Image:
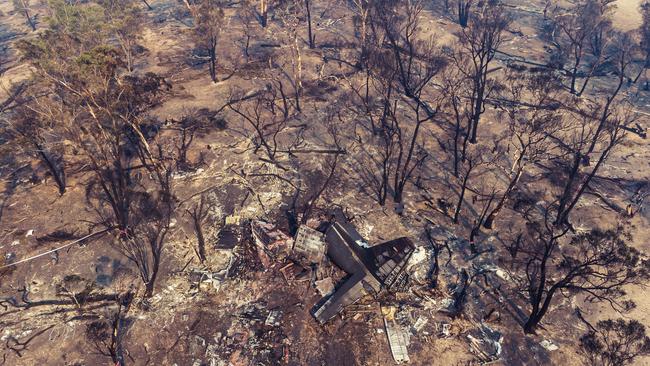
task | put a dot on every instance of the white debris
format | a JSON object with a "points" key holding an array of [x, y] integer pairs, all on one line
{"points": [[273, 319], [502, 274], [419, 255], [398, 339], [325, 286], [362, 244], [446, 329], [486, 342], [549, 345], [233, 220], [310, 244], [446, 303], [419, 265], [420, 323]]}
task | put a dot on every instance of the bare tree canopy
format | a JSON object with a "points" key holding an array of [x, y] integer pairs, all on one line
{"points": [[615, 343], [597, 263]]}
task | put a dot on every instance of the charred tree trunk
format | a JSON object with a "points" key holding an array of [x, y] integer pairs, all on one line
{"points": [[310, 36], [56, 171], [437, 248], [462, 191], [297, 72], [513, 249], [479, 101], [213, 62], [489, 221], [198, 214], [263, 13], [186, 139], [459, 296], [597, 41], [147, 4], [477, 225], [150, 285], [29, 18], [312, 202], [248, 41], [200, 240], [539, 310], [383, 188], [463, 154], [116, 348], [566, 194], [463, 12], [404, 171], [574, 75], [457, 131], [564, 216]]}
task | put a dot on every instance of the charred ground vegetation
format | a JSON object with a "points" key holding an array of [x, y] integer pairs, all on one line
{"points": [[198, 181]]}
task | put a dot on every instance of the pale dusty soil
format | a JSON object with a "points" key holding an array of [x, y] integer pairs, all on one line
{"points": [[177, 316], [627, 15]]}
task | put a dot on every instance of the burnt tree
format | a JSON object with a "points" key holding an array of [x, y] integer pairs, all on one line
{"points": [[106, 108], [644, 41], [464, 7], [363, 29], [33, 128], [479, 42], [473, 160], [123, 19], [598, 264], [614, 343], [414, 62], [22, 6], [208, 22], [581, 136], [311, 37], [107, 334], [531, 110], [577, 28], [437, 246], [198, 214]]}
